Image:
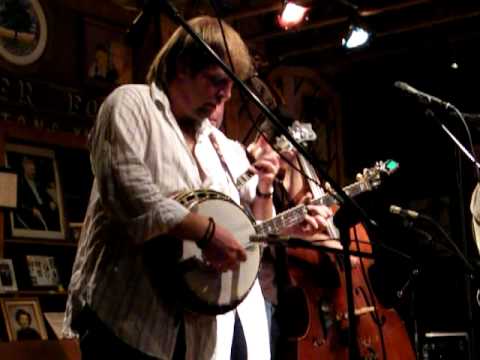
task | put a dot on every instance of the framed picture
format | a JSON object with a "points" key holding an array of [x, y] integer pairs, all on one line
{"points": [[39, 212], [23, 319], [8, 188], [43, 271], [23, 31], [108, 58], [8, 281]]}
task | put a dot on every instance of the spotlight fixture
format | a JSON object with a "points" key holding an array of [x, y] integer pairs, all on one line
{"points": [[292, 14], [357, 36]]}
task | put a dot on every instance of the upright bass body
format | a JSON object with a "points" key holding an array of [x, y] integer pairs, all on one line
{"points": [[381, 333]]}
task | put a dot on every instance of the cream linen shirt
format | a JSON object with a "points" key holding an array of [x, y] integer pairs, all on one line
{"points": [[139, 158]]}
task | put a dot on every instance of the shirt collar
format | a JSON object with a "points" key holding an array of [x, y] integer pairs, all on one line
{"points": [[159, 97]]}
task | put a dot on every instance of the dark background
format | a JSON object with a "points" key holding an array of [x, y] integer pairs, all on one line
{"points": [[434, 178]]}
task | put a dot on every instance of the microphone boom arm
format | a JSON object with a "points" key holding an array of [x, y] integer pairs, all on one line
{"points": [[343, 198]]}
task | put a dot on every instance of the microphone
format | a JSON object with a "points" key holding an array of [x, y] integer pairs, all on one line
{"points": [[397, 210], [424, 98]]}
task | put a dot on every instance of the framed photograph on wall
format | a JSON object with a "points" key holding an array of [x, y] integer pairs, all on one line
{"points": [[8, 281], [39, 212], [23, 31], [8, 188], [43, 271], [108, 59], [23, 319]]}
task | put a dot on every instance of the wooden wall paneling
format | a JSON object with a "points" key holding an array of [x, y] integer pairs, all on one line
{"points": [[35, 349], [310, 98], [2, 212], [14, 132]]}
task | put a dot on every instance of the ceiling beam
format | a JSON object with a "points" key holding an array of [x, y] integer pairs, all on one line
{"points": [[403, 29], [338, 20]]}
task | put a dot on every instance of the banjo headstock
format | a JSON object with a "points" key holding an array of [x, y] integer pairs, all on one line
{"points": [[301, 132], [372, 176]]}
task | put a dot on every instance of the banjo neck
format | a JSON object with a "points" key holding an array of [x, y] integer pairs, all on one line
{"points": [[296, 215]]}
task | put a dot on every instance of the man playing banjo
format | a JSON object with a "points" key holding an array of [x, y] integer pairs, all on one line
{"points": [[149, 143]]}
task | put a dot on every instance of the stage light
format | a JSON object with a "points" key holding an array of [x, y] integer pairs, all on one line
{"points": [[358, 33], [292, 14], [357, 36]]}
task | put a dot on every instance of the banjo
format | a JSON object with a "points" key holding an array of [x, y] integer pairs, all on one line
{"points": [[202, 289]]}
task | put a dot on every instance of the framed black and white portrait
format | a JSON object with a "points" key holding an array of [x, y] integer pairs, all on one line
{"points": [[23, 31], [39, 212], [23, 319]]}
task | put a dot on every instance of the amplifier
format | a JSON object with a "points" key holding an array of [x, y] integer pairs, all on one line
{"points": [[445, 346]]}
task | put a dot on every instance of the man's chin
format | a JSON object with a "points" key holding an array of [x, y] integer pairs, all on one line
{"points": [[204, 113]]}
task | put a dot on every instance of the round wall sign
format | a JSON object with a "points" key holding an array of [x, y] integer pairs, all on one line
{"points": [[23, 31]]}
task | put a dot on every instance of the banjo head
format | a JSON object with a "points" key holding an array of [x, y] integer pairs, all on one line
{"points": [[205, 289]]}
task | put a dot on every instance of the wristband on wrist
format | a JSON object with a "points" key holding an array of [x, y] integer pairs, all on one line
{"points": [[265, 195], [207, 237]]}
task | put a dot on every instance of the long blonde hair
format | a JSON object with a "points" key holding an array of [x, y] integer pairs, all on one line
{"points": [[181, 48]]}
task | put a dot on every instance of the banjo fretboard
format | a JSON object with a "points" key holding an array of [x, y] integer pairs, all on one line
{"points": [[296, 215]]}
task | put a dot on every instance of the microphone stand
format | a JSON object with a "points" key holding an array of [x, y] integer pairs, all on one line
{"points": [[411, 286], [153, 6]]}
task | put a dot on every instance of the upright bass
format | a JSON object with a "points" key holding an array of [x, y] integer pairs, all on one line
{"points": [[380, 333]]}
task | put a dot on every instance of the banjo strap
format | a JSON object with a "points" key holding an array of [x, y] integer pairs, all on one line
{"points": [[216, 146]]}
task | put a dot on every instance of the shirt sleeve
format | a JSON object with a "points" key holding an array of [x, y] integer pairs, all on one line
{"points": [[125, 183]]}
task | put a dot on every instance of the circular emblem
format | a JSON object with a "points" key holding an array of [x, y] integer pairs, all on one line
{"points": [[23, 31]]}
